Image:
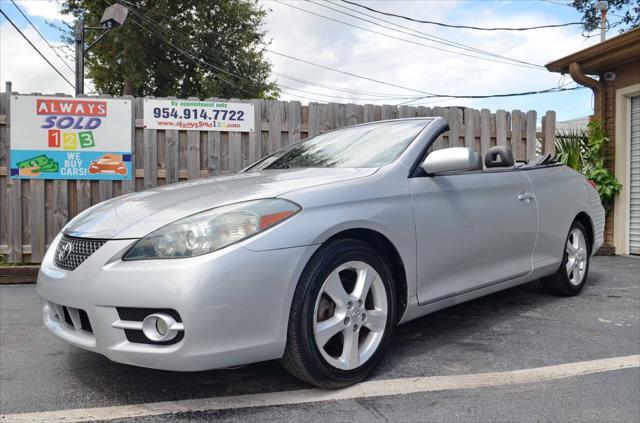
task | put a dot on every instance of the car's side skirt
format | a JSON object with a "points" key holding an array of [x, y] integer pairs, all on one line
{"points": [[415, 310]]}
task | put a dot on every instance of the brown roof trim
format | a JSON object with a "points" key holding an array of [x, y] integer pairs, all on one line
{"points": [[602, 56]]}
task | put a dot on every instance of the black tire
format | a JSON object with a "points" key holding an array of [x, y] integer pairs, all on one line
{"points": [[302, 357], [559, 283]]}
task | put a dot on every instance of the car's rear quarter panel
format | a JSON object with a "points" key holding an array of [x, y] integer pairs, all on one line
{"points": [[560, 196]]}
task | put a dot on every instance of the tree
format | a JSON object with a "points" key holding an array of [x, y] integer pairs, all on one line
{"points": [[181, 48], [627, 13]]}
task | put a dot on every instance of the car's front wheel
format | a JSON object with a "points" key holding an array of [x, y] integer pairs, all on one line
{"points": [[342, 315]]}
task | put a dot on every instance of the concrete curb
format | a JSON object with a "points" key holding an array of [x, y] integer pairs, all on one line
{"points": [[10, 275]]}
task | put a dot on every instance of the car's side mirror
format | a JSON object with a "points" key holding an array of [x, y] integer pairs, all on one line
{"points": [[451, 160]]}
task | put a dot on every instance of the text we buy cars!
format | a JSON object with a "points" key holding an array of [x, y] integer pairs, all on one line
{"points": [[67, 138]]}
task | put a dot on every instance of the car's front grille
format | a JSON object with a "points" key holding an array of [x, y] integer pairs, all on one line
{"points": [[135, 314], [71, 251], [137, 337], [65, 314]]}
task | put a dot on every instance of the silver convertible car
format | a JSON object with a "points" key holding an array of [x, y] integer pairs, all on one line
{"points": [[314, 254]]}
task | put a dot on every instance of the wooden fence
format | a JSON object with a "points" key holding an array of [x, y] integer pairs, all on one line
{"points": [[34, 211]]}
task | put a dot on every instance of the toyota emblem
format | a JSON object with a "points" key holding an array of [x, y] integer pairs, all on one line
{"points": [[64, 252]]}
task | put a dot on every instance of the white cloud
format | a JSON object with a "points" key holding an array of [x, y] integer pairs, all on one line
{"points": [[354, 50], [48, 9], [21, 64]]}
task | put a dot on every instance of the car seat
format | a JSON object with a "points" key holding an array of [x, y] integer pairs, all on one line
{"points": [[498, 156]]}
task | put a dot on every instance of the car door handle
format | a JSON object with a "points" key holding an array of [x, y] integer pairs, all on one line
{"points": [[526, 197]]}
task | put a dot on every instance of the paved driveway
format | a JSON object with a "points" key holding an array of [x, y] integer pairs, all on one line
{"points": [[522, 328]]}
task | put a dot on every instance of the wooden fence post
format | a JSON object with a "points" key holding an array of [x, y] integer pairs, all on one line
{"points": [[549, 131], [255, 137], [14, 195], [485, 131], [150, 157], [295, 119], [388, 112], [314, 119], [531, 135], [501, 128], [455, 122], [469, 129], [519, 152]]}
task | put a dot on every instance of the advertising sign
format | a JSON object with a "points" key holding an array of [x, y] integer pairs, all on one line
{"points": [[198, 115], [68, 138]]}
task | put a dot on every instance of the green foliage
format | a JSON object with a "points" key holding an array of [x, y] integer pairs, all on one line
{"points": [[133, 59], [584, 151], [570, 146], [627, 13], [594, 167]]}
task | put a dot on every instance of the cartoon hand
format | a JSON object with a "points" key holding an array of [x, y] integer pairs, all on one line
{"points": [[30, 171]]}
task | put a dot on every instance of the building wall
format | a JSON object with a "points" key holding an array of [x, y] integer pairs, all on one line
{"points": [[625, 75]]}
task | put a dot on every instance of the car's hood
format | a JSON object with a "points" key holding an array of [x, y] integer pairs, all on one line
{"points": [[135, 215]]}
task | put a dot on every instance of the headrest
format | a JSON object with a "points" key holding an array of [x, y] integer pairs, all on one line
{"points": [[498, 156]]}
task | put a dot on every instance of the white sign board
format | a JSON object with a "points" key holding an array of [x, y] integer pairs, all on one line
{"points": [[198, 115], [70, 138]]}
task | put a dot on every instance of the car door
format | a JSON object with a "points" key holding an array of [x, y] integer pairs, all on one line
{"points": [[473, 230]]}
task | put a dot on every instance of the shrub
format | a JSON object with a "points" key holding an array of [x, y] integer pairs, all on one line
{"points": [[585, 152]]}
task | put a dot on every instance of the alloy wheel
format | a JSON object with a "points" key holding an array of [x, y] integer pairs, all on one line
{"points": [[350, 315], [577, 256]]}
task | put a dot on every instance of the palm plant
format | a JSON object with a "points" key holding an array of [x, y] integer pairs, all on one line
{"points": [[584, 151], [571, 147]]}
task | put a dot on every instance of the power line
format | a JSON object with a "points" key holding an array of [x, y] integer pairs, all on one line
{"points": [[477, 28], [428, 95], [342, 89], [191, 57], [397, 38], [179, 35], [346, 73], [42, 36], [434, 37], [429, 37], [154, 25], [571, 6], [211, 67], [547, 91], [282, 75], [36, 49], [316, 64]]}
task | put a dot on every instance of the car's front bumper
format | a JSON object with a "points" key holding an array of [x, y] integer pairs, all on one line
{"points": [[234, 303]]}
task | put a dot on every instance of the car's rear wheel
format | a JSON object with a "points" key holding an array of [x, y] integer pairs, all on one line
{"points": [[572, 274], [342, 315]]}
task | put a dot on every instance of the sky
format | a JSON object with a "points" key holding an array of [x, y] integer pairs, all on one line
{"points": [[320, 40]]}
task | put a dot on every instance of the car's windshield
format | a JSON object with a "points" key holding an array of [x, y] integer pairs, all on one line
{"points": [[371, 145]]}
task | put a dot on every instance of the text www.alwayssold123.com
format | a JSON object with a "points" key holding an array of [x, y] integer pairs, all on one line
{"points": [[201, 124]]}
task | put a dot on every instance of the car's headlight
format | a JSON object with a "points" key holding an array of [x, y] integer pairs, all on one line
{"points": [[212, 230]]}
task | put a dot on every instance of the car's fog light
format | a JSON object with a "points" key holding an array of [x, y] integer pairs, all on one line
{"points": [[159, 327]]}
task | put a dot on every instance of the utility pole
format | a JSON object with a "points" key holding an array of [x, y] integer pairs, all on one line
{"points": [[602, 7], [113, 17], [79, 43]]}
